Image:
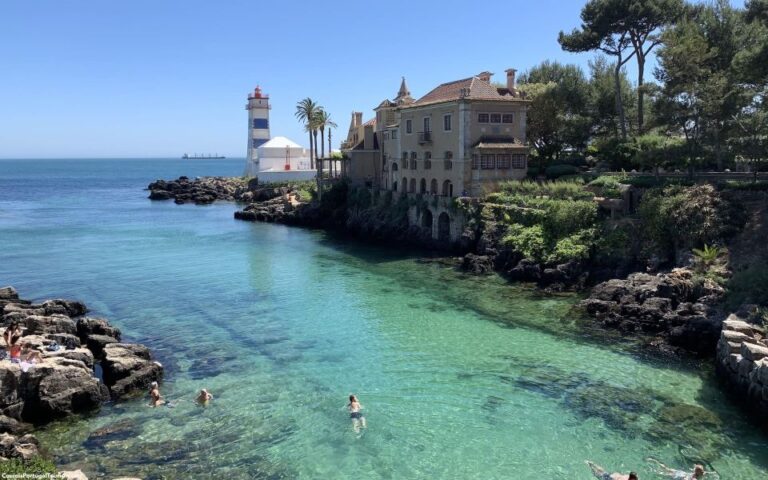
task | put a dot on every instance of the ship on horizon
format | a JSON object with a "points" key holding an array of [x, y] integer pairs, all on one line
{"points": [[202, 157]]}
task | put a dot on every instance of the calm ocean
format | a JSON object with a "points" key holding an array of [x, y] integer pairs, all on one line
{"points": [[461, 377]]}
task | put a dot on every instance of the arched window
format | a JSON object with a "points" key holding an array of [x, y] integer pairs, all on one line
{"points": [[423, 186], [413, 186], [447, 188], [427, 160], [433, 187], [426, 219], [394, 167], [405, 185], [444, 227]]}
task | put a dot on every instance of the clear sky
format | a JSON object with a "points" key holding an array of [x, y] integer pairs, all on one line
{"points": [[159, 78]]}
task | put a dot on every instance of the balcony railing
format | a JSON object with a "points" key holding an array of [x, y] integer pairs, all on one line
{"points": [[425, 137]]}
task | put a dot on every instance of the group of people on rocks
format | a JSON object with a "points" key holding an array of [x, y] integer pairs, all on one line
{"points": [[697, 473], [20, 352]]}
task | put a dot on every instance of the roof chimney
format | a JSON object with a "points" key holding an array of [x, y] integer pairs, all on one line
{"points": [[511, 80], [358, 118], [485, 76]]}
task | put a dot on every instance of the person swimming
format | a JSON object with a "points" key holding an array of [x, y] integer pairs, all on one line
{"points": [[204, 397], [355, 413], [600, 473], [697, 473], [154, 393]]}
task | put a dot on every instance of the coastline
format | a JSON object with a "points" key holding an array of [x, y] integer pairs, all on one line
{"points": [[62, 381]]}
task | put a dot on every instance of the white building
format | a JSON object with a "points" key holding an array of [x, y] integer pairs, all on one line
{"points": [[275, 160]]}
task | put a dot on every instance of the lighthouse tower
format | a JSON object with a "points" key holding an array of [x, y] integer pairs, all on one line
{"points": [[258, 128]]}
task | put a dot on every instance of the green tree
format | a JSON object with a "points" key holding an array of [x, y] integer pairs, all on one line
{"points": [[623, 29], [602, 97], [306, 112], [557, 117]]}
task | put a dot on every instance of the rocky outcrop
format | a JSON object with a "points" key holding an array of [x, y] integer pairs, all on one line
{"points": [[200, 190], [63, 382], [673, 309], [742, 363], [23, 447]]}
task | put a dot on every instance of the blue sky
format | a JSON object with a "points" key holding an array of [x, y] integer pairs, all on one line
{"points": [[160, 78]]}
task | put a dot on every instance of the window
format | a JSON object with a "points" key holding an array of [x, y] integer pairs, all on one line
{"points": [[386, 135], [475, 162], [423, 186], [447, 122], [495, 118], [394, 167], [260, 123], [508, 118], [412, 188], [503, 161], [518, 161], [413, 164], [427, 124], [482, 118], [448, 164], [448, 155], [405, 158], [413, 156], [394, 186], [427, 160], [394, 134], [408, 126], [487, 161], [427, 155], [433, 187]]}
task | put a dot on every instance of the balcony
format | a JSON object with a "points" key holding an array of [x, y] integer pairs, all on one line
{"points": [[425, 137]]}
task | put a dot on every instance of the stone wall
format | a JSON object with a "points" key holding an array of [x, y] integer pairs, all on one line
{"points": [[742, 362]]}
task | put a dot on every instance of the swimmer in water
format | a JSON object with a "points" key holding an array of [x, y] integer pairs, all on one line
{"points": [[600, 473], [204, 397], [696, 474], [154, 393], [355, 413]]}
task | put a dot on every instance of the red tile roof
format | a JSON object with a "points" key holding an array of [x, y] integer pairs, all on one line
{"points": [[471, 88]]}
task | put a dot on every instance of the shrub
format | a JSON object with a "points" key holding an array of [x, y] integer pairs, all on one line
{"points": [[573, 247], [685, 217], [529, 241], [748, 286], [34, 466], [759, 186], [556, 171]]}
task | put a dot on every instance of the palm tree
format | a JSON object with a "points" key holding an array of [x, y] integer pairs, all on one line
{"points": [[324, 121], [306, 111]]}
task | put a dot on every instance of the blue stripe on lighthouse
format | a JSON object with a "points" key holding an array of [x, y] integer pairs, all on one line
{"points": [[260, 123], [257, 142]]}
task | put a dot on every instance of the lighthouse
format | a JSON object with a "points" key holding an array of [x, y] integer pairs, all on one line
{"points": [[258, 128]]}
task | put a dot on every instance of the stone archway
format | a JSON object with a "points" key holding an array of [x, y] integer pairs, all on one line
{"points": [[412, 188], [426, 220], [423, 186], [444, 227], [394, 186], [433, 187]]}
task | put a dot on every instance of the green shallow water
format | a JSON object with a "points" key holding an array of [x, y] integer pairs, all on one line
{"points": [[461, 377]]}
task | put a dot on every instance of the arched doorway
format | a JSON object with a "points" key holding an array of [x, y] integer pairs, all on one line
{"points": [[426, 220], [394, 186], [444, 227], [433, 187], [412, 188], [405, 185], [447, 188], [423, 186]]}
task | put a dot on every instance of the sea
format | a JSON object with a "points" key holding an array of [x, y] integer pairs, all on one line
{"points": [[460, 376]]}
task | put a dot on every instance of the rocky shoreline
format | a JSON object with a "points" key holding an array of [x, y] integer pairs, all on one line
{"points": [[675, 313], [63, 382]]}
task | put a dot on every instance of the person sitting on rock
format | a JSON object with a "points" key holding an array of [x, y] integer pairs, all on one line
{"points": [[600, 473], [154, 393], [697, 473], [204, 397], [12, 334], [30, 355]]}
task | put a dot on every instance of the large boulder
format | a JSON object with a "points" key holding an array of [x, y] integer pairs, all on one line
{"points": [[477, 264], [128, 368], [23, 448], [70, 308], [96, 326], [56, 323], [53, 388]]}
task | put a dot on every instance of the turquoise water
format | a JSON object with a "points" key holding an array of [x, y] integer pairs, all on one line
{"points": [[460, 377]]}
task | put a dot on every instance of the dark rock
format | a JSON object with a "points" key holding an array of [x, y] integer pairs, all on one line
{"points": [[128, 368], [96, 343], [96, 326], [64, 307], [13, 426], [160, 195], [526, 270], [24, 448], [477, 264], [38, 324], [9, 293]]}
